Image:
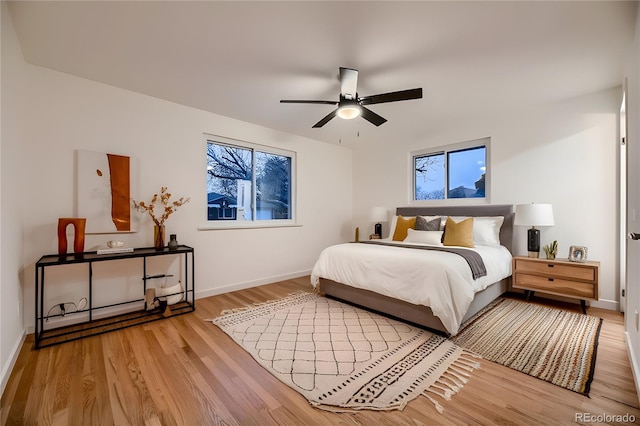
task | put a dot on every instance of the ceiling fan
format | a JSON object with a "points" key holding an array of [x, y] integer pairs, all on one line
{"points": [[351, 105]]}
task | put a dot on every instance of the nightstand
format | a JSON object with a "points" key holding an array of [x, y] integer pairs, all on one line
{"points": [[575, 280]]}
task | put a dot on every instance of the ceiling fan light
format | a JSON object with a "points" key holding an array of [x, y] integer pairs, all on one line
{"points": [[349, 112]]}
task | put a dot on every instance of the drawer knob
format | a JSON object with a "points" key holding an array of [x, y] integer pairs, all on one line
{"points": [[550, 279], [550, 265]]}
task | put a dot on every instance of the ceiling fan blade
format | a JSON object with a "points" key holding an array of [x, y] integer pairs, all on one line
{"points": [[348, 83], [290, 101], [326, 119], [402, 95], [372, 117]]}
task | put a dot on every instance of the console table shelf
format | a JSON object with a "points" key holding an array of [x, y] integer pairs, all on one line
{"points": [[96, 323]]}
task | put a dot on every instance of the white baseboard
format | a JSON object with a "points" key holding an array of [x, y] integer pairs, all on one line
{"points": [[635, 365], [250, 284], [8, 367], [611, 305], [72, 318], [6, 370]]}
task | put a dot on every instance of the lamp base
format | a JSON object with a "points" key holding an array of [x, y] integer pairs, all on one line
{"points": [[378, 230], [533, 242]]}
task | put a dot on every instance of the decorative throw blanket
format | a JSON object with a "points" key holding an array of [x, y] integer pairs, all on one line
{"points": [[472, 258], [343, 358]]}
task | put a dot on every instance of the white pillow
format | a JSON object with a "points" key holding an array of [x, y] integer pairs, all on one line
{"points": [[424, 237], [486, 229]]}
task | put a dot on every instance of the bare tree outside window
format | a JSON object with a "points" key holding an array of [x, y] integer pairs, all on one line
{"points": [[226, 165], [274, 189], [429, 177], [459, 171], [244, 183]]}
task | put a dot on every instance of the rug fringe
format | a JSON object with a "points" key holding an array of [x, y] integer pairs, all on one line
{"points": [[435, 403], [242, 308], [467, 365], [444, 395], [447, 392], [452, 380], [258, 304], [456, 369], [451, 383], [468, 354]]}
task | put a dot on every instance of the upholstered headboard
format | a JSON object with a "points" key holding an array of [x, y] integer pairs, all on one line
{"points": [[506, 210]]}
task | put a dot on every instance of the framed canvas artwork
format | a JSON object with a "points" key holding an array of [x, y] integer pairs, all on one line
{"points": [[105, 185]]}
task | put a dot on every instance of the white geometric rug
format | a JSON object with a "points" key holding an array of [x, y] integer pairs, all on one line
{"points": [[342, 358]]}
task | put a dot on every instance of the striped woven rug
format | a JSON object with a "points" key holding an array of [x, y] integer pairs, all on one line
{"points": [[551, 344]]}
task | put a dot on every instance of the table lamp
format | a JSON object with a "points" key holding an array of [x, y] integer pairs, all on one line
{"points": [[378, 214], [533, 215]]}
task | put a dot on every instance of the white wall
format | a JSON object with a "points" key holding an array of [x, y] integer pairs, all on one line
{"points": [[168, 139], [562, 153], [11, 300], [53, 114]]}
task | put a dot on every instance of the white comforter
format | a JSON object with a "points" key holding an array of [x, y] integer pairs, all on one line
{"points": [[439, 280]]}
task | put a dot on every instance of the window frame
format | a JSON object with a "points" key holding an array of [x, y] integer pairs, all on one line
{"points": [[445, 150], [253, 223]]}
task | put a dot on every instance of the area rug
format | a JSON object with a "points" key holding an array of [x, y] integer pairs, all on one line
{"points": [[551, 344], [342, 358]]}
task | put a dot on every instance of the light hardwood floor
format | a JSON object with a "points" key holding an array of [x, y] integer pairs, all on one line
{"points": [[185, 371]]}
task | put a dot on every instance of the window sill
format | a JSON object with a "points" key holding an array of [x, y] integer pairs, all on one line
{"points": [[235, 224], [451, 202]]}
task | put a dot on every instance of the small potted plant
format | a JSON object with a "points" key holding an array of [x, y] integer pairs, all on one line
{"points": [[551, 250]]}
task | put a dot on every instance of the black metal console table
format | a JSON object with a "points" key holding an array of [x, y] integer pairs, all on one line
{"points": [[93, 326]]}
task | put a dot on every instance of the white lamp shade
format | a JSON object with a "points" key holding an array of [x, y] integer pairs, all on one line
{"points": [[534, 215], [378, 214]]}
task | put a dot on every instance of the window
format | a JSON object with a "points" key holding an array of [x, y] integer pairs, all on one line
{"points": [[453, 172], [247, 182]]}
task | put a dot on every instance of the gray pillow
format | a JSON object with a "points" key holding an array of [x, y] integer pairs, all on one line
{"points": [[424, 224]]}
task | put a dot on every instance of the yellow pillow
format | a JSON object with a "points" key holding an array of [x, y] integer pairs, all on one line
{"points": [[458, 233], [402, 225]]}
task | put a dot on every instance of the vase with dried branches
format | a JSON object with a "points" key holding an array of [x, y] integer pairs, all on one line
{"points": [[165, 208]]}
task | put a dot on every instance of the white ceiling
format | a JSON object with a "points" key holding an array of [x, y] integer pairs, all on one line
{"points": [[238, 59]]}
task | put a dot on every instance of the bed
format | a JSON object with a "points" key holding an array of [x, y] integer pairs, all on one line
{"points": [[409, 283]]}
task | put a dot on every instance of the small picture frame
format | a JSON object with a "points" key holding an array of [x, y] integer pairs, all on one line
{"points": [[578, 254]]}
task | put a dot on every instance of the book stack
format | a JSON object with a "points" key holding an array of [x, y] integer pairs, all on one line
{"points": [[115, 250]]}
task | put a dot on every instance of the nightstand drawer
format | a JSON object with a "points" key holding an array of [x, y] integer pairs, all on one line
{"points": [[575, 272], [557, 286]]}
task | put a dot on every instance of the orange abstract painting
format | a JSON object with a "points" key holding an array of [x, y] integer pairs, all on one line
{"points": [[104, 189]]}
